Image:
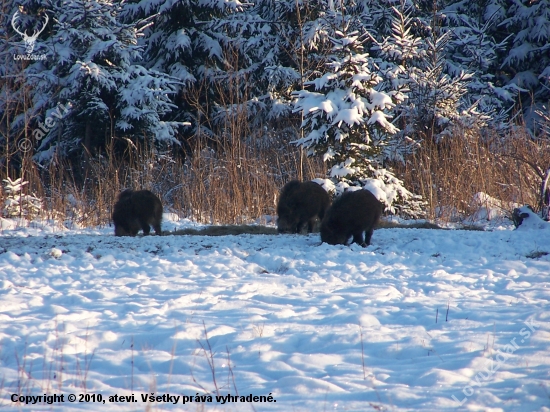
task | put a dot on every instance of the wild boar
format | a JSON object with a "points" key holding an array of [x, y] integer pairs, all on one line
{"points": [[135, 210], [299, 204], [351, 214]]}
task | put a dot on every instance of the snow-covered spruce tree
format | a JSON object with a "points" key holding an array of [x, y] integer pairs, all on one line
{"points": [[346, 120], [239, 80], [302, 44], [528, 59], [436, 106], [479, 46], [91, 68], [111, 93], [398, 58], [20, 103], [414, 60], [170, 46], [298, 48], [209, 47]]}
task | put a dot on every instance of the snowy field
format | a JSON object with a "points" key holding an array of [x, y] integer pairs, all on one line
{"points": [[426, 320]]}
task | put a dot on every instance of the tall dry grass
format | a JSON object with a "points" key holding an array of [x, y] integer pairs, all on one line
{"points": [[449, 174], [239, 182], [232, 184]]}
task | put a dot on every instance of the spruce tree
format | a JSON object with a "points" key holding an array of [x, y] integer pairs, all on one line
{"points": [[92, 70], [346, 118]]}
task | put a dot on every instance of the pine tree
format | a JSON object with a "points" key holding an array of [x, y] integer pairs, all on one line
{"points": [[18, 204], [414, 60], [344, 116], [21, 104], [110, 93], [435, 96], [298, 49]]}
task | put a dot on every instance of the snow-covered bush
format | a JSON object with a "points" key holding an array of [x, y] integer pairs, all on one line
{"points": [[488, 208]]}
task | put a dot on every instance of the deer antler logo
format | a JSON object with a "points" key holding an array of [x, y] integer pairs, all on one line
{"points": [[29, 40]]}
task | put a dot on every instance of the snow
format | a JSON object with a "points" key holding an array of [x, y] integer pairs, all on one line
{"points": [[488, 208], [530, 220], [420, 320], [379, 117], [350, 116]]}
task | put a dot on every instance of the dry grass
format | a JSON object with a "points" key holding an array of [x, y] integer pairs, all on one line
{"points": [[232, 184], [236, 181], [448, 174], [239, 182]]}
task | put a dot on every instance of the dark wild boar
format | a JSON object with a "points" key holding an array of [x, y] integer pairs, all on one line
{"points": [[135, 210], [351, 214], [299, 203]]}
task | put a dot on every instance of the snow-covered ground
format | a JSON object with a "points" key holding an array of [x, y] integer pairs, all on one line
{"points": [[422, 319]]}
